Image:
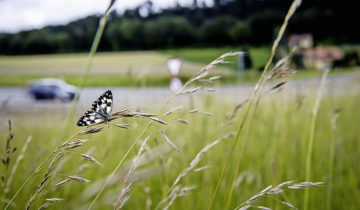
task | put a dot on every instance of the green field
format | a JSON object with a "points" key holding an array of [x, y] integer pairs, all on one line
{"points": [[258, 55], [276, 151], [109, 69], [138, 63], [138, 68]]}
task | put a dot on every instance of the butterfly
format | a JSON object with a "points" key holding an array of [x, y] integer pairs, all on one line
{"points": [[100, 111]]}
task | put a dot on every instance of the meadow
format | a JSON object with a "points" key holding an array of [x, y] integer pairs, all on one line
{"points": [[275, 150]]}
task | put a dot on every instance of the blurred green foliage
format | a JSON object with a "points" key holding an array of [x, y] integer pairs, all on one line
{"points": [[238, 22]]}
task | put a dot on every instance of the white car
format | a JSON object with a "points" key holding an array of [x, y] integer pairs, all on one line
{"points": [[50, 88]]}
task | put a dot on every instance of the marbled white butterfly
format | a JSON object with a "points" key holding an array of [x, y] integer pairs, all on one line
{"points": [[100, 111]]}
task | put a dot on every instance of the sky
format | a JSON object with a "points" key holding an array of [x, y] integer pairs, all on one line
{"points": [[17, 15]]}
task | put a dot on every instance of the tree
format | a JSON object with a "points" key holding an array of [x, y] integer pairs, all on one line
{"points": [[215, 31], [240, 32], [126, 34], [39, 41], [263, 24], [62, 42]]}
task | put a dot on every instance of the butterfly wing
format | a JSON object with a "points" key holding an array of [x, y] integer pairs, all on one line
{"points": [[100, 110], [90, 118], [104, 103]]}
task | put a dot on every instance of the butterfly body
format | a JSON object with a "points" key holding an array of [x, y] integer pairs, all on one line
{"points": [[100, 111]]}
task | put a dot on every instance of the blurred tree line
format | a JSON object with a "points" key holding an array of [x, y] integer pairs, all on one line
{"points": [[226, 22]]}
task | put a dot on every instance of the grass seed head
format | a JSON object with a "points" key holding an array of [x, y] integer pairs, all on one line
{"points": [[45, 206], [91, 131], [125, 126], [182, 121], [172, 110], [78, 179], [92, 159], [158, 120], [63, 182], [54, 199], [169, 141]]}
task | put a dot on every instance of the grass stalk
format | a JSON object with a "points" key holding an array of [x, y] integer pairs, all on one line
{"points": [[290, 13], [38, 168], [85, 74], [272, 72], [332, 157], [174, 187], [242, 149], [5, 163], [16, 164], [331, 171], [312, 133], [118, 166], [130, 178]]}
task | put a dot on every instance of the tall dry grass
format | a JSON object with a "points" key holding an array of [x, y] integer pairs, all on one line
{"points": [[255, 97]]}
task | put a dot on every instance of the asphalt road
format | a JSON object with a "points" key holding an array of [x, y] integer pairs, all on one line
{"points": [[16, 100]]}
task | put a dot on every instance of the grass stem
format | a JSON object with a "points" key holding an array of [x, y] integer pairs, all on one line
{"points": [[118, 166], [311, 136], [84, 74], [332, 157], [290, 13]]}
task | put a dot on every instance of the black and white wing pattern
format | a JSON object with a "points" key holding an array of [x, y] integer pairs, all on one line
{"points": [[90, 118], [100, 111], [104, 103]]}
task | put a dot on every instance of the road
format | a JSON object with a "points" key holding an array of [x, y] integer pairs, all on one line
{"points": [[16, 100]]}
